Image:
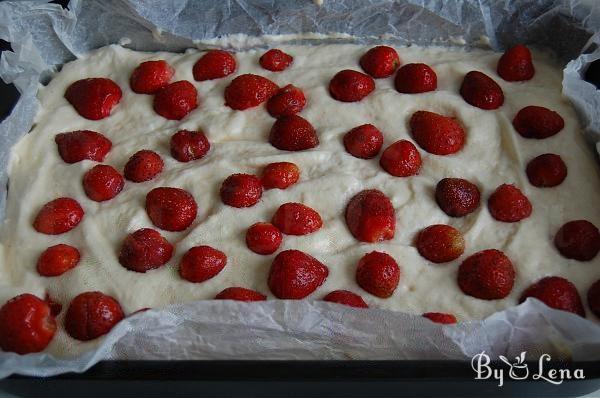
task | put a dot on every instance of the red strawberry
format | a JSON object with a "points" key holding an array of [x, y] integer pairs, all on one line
{"points": [[240, 294], [556, 292], [176, 100], [26, 325], [478, 89], [380, 61], [275, 60], [378, 273], [56, 260], [295, 275], [364, 141], [91, 315], [370, 216], [189, 145], [415, 78], [487, 275], [579, 240], [171, 209], [143, 166], [440, 317], [516, 64], [55, 307], [241, 190], [293, 133], [346, 297], [547, 170], [538, 122], [401, 159], [102, 183], [437, 134], [280, 175], [145, 249], [289, 100], [58, 216], [297, 219], [215, 64], [593, 297], [263, 238], [76, 146], [248, 90], [457, 197], [94, 98], [440, 243], [151, 76], [351, 86], [509, 204], [202, 263]]}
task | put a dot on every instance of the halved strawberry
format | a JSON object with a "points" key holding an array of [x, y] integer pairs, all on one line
{"points": [[171, 209], [94, 98], [364, 141], [378, 273], [248, 90], [58, 216], [480, 90], [516, 64], [380, 61], [102, 183], [509, 204], [76, 146], [297, 219], [370, 216], [151, 76], [556, 292], [215, 64], [91, 315], [346, 297], [275, 60], [437, 134], [294, 275], [176, 100], [401, 159], [58, 259], [415, 78], [351, 86], [538, 122], [240, 294], [202, 263], [289, 100], [293, 133], [487, 275]]}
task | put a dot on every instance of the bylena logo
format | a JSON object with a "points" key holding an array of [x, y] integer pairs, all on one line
{"points": [[519, 370]]}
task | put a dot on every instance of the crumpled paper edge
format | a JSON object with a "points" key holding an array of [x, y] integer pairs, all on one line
{"points": [[306, 330]]}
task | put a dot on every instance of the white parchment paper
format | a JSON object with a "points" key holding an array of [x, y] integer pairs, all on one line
{"points": [[44, 36]]}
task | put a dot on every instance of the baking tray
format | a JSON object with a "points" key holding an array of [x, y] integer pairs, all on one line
{"points": [[288, 378]]}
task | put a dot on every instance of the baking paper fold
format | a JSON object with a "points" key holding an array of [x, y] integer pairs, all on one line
{"points": [[44, 36]]}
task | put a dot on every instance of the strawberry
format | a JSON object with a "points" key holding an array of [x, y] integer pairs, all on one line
{"points": [[280, 175], [556, 292], [176, 100], [241, 190], [171, 209], [94, 98], [509, 204], [370, 216], [26, 325], [91, 315], [538, 122], [437, 134], [76, 146], [275, 60], [143, 166], [401, 159], [415, 78], [240, 294], [102, 183], [487, 275], [294, 275], [214, 64], [56, 260], [189, 145], [378, 273], [440, 317], [380, 61], [248, 90], [55, 307], [515, 64], [151, 76], [593, 298], [263, 238], [297, 219], [289, 100], [364, 141], [293, 133], [346, 297], [547, 170], [58, 216], [478, 89], [145, 249], [202, 263], [351, 86], [440, 243], [579, 240], [457, 197]]}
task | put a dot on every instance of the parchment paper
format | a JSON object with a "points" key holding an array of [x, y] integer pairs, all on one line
{"points": [[43, 36]]}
